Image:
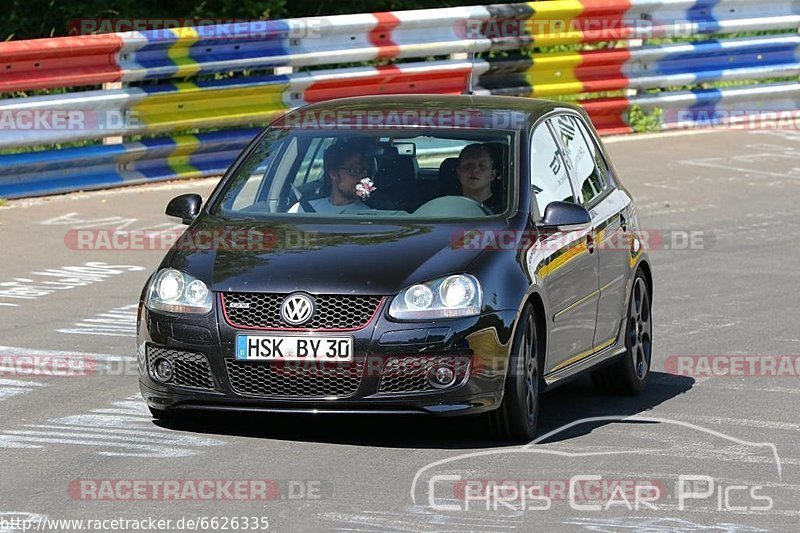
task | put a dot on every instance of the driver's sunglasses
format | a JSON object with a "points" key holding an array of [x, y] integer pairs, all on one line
{"points": [[356, 172]]}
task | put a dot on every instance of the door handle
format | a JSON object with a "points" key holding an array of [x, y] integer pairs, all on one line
{"points": [[623, 223], [590, 242]]}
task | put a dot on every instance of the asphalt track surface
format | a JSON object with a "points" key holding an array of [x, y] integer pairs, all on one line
{"points": [[731, 292]]}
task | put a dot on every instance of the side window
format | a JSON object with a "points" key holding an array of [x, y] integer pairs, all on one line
{"points": [[590, 170], [549, 174], [311, 166]]}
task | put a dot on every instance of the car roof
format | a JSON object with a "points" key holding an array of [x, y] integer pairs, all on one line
{"points": [[526, 109]]}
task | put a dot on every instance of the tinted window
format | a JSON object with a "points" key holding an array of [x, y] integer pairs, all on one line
{"points": [[549, 174], [371, 173], [585, 159]]}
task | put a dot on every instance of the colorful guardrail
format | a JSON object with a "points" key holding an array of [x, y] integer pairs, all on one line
{"points": [[220, 76]]}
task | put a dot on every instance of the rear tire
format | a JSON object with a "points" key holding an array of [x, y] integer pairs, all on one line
{"points": [[517, 416], [630, 373]]}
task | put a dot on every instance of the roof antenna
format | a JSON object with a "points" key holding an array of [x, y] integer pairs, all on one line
{"points": [[470, 90]]}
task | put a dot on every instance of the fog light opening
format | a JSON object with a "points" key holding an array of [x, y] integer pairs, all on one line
{"points": [[163, 370], [442, 376]]}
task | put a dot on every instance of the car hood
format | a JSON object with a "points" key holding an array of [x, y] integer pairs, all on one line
{"points": [[352, 258]]}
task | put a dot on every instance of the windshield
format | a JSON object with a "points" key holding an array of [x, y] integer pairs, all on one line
{"points": [[418, 173]]}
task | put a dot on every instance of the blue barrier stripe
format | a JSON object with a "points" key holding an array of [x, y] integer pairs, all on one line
{"points": [[31, 163], [705, 105], [159, 169], [60, 156], [713, 56], [30, 187], [155, 171], [233, 136], [258, 39], [257, 30], [263, 81], [159, 142], [702, 13]]}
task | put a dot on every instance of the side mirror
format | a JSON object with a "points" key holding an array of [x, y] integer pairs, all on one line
{"points": [[185, 207], [566, 216]]}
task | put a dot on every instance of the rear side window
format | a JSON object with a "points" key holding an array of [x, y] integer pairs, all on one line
{"points": [[549, 173], [589, 167]]}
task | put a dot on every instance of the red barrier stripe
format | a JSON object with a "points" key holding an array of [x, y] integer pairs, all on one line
{"points": [[605, 8], [608, 114], [59, 62], [381, 35], [605, 20], [59, 47], [391, 79], [601, 70]]}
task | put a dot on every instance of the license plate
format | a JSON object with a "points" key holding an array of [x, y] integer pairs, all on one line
{"points": [[289, 348]]}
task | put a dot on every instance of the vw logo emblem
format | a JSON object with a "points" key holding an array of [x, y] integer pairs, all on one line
{"points": [[297, 309]]}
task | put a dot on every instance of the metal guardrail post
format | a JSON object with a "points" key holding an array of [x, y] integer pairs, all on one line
{"points": [[115, 139], [633, 44]]}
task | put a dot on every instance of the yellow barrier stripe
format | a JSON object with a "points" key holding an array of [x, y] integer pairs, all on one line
{"points": [[553, 22], [194, 106], [179, 52], [553, 74], [178, 160], [555, 9]]}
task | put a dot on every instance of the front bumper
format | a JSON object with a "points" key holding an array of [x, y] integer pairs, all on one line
{"points": [[483, 341]]}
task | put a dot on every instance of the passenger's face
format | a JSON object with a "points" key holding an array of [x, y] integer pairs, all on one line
{"points": [[346, 177], [475, 172]]}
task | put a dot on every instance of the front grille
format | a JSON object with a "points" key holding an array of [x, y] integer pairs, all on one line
{"points": [[410, 374], [294, 379], [332, 311], [189, 369]]}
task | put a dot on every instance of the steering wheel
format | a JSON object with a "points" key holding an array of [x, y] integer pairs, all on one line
{"points": [[483, 207], [449, 205]]}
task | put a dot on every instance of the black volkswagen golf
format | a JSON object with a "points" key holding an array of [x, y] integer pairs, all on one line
{"points": [[443, 255]]}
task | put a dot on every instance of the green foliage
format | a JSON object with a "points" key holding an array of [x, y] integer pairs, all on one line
{"points": [[3, 202], [643, 122], [30, 19]]}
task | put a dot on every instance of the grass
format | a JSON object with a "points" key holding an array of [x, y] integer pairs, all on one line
{"points": [[3, 202], [643, 122]]}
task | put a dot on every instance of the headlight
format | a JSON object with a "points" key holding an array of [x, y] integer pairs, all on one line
{"points": [[176, 292], [453, 296]]}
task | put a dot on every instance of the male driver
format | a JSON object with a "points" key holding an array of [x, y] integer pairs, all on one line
{"points": [[476, 172], [345, 165]]}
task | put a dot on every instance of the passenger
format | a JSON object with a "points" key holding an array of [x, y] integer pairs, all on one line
{"points": [[344, 165], [476, 171]]}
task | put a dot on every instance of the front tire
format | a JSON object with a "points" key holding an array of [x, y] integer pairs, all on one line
{"points": [[629, 375], [517, 416]]}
